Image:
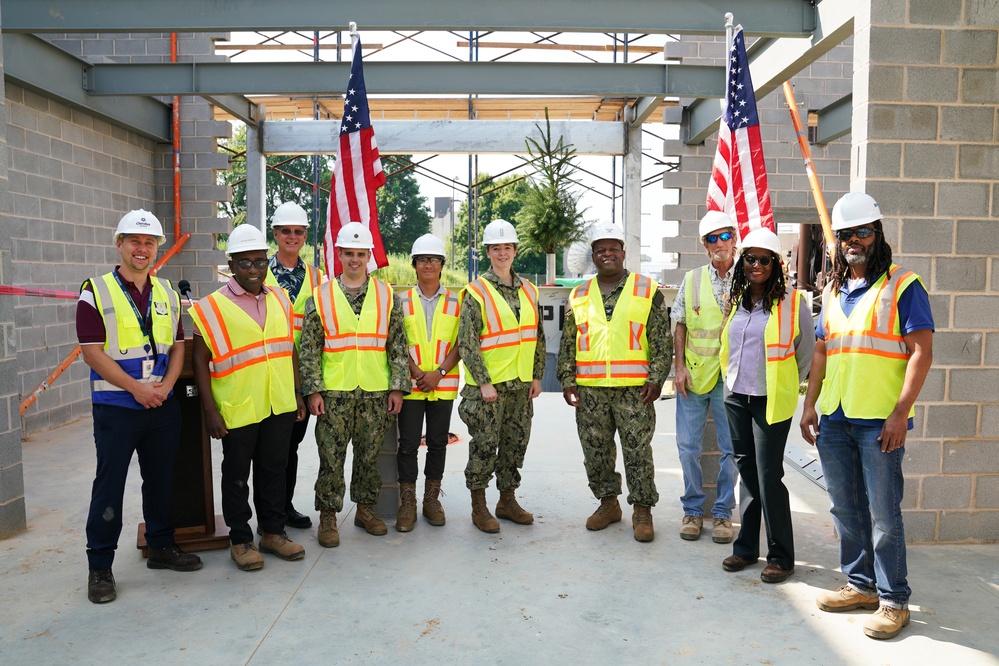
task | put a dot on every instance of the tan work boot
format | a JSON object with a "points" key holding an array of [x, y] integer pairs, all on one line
{"points": [[641, 522], [405, 520], [480, 513], [282, 546], [433, 511], [845, 598], [508, 509], [690, 528], [722, 531], [329, 536], [366, 517], [886, 622], [608, 512], [246, 556]]}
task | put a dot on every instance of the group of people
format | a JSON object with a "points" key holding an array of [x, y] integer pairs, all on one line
{"points": [[280, 342]]}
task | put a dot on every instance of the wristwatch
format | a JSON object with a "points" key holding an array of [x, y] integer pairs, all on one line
{"points": [[442, 371]]}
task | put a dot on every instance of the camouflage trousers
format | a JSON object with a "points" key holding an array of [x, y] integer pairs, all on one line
{"points": [[363, 421], [499, 434], [601, 412]]}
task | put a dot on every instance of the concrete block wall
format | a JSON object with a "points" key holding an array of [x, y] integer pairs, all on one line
{"points": [[926, 104]]}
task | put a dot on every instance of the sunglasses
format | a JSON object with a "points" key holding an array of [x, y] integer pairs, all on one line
{"points": [[861, 232], [246, 264], [723, 236], [752, 260], [427, 260], [289, 231]]}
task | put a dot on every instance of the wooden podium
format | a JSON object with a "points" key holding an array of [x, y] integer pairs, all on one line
{"points": [[194, 516]]}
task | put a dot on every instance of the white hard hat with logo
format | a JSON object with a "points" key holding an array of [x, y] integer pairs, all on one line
{"points": [[139, 222], [355, 235], [763, 239], [606, 231], [499, 231], [289, 214], [854, 209], [246, 238], [428, 244], [714, 220]]}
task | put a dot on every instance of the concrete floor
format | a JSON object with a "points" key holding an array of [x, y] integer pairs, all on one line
{"points": [[546, 593]]}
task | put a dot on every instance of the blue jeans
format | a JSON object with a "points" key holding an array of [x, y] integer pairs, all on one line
{"points": [[865, 486], [691, 416]]}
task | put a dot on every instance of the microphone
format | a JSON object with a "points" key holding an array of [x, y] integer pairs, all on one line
{"points": [[185, 290]]}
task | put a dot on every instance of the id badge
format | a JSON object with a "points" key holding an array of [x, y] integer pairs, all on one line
{"points": [[147, 368]]}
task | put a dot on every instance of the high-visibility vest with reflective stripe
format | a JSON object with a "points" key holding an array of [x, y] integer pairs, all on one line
{"points": [[429, 354], [313, 276], [253, 374], [354, 350], [124, 341], [866, 356], [704, 324], [508, 345], [616, 352], [782, 367]]}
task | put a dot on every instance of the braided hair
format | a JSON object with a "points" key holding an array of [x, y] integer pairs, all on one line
{"points": [[878, 261], [773, 289]]}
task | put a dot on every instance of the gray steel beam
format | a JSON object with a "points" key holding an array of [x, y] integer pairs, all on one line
{"points": [[256, 180], [835, 120], [774, 61], [463, 137], [774, 18], [237, 106], [35, 64], [400, 78], [643, 108]]}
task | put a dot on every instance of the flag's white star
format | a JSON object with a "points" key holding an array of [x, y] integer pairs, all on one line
{"points": [[350, 92]]}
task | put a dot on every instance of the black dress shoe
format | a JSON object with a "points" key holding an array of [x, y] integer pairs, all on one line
{"points": [[296, 519], [775, 573], [100, 586], [736, 563], [173, 558]]}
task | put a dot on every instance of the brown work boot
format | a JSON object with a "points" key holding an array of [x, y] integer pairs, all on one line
{"points": [[508, 509], [722, 531], [641, 522], [845, 598], [608, 512], [100, 586], [690, 528], [246, 556], [329, 536], [366, 517], [480, 513], [886, 622], [282, 546], [433, 511], [405, 520]]}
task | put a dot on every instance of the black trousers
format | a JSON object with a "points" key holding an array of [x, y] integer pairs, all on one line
{"points": [[291, 475], [411, 418], [265, 446], [759, 455]]}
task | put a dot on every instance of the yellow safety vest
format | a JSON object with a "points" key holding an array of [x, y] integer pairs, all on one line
{"points": [[313, 276], [354, 351], [252, 371], [782, 368], [508, 345], [429, 354], [704, 325], [866, 356], [613, 353], [124, 340]]}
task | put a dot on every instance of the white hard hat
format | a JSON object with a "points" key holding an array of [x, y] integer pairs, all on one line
{"points": [[606, 231], [246, 238], [764, 239], [713, 221], [355, 235], [289, 214], [428, 244], [499, 231], [139, 222], [854, 209]]}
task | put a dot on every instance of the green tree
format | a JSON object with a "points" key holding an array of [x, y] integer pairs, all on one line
{"points": [[403, 215]]}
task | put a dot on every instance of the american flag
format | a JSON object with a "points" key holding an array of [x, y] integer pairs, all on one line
{"points": [[739, 178], [357, 172]]}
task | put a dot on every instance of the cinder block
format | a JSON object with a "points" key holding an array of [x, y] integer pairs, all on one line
{"points": [[946, 492], [977, 237], [982, 14], [960, 274], [903, 199], [971, 456], [990, 420], [987, 491], [957, 349], [926, 236], [980, 86], [932, 84], [963, 199], [934, 12], [920, 526], [979, 162], [904, 46], [951, 421], [972, 385], [884, 159], [969, 526], [969, 47], [898, 121], [930, 160], [12, 518], [922, 457], [941, 306]]}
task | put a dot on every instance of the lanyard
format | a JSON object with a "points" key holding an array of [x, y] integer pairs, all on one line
{"points": [[135, 310]]}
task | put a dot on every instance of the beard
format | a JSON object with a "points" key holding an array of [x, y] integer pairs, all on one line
{"points": [[857, 259]]}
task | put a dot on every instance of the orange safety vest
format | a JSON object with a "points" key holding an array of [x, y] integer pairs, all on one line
{"points": [[354, 351], [429, 354], [313, 276], [508, 345]]}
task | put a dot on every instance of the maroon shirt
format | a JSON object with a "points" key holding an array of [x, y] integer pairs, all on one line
{"points": [[89, 322]]}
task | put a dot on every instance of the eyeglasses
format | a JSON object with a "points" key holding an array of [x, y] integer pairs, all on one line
{"points": [[861, 232], [428, 260], [246, 264], [288, 231], [723, 236], [752, 260]]}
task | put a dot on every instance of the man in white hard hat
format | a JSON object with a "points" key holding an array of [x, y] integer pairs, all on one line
{"points": [[128, 324], [430, 317], [874, 350], [246, 370], [290, 224], [699, 310], [613, 359], [354, 374]]}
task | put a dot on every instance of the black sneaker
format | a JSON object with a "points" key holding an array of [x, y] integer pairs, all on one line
{"points": [[100, 586], [173, 558]]}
